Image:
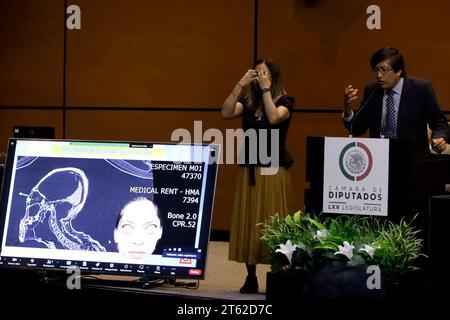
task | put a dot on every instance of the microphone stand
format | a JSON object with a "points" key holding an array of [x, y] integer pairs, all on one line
{"points": [[361, 109]]}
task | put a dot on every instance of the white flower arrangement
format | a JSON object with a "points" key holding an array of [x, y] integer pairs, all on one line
{"points": [[301, 242]]}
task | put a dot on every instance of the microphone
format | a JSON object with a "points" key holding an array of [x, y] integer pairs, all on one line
{"points": [[360, 109]]}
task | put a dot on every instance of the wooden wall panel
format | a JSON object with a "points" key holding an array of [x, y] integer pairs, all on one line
{"points": [[324, 45], [31, 52], [158, 53]]}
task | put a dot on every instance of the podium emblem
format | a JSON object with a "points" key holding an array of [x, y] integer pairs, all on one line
{"points": [[355, 161]]}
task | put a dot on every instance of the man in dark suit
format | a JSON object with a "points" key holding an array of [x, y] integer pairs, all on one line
{"points": [[396, 106]]}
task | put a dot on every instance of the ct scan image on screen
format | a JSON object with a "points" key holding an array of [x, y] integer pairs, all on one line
{"points": [[108, 207]]}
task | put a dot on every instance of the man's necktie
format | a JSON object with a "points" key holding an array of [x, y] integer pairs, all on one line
{"points": [[391, 119]]}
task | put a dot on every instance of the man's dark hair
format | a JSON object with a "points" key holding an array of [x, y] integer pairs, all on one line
{"points": [[393, 55]]}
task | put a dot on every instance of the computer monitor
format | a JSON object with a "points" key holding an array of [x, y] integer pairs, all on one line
{"points": [[130, 208], [34, 132]]}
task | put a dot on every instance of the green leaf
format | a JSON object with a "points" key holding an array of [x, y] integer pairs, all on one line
{"points": [[289, 221], [327, 246], [316, 223], [297, 217]]}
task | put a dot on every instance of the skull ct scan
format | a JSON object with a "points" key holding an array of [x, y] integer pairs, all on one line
{"points": [[57, 203], [54, 202]]}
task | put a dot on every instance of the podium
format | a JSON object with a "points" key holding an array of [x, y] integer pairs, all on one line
{"points": [[439, 220], [414, 176]]}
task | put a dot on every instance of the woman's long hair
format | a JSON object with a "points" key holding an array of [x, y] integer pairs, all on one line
{"points": [[276, 88]]}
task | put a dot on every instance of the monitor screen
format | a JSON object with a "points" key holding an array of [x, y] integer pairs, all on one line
{"points": [[108, 207], [34, 132]]}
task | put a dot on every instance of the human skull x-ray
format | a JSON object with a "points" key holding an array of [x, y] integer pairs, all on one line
{"points": [[51, 207]]}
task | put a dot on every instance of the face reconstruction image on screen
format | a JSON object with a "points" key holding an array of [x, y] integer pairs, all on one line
{"points": [[138, 229], [136, 208]]}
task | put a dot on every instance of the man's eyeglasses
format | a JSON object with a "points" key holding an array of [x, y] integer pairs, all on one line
{"points": [[382, 70]]}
